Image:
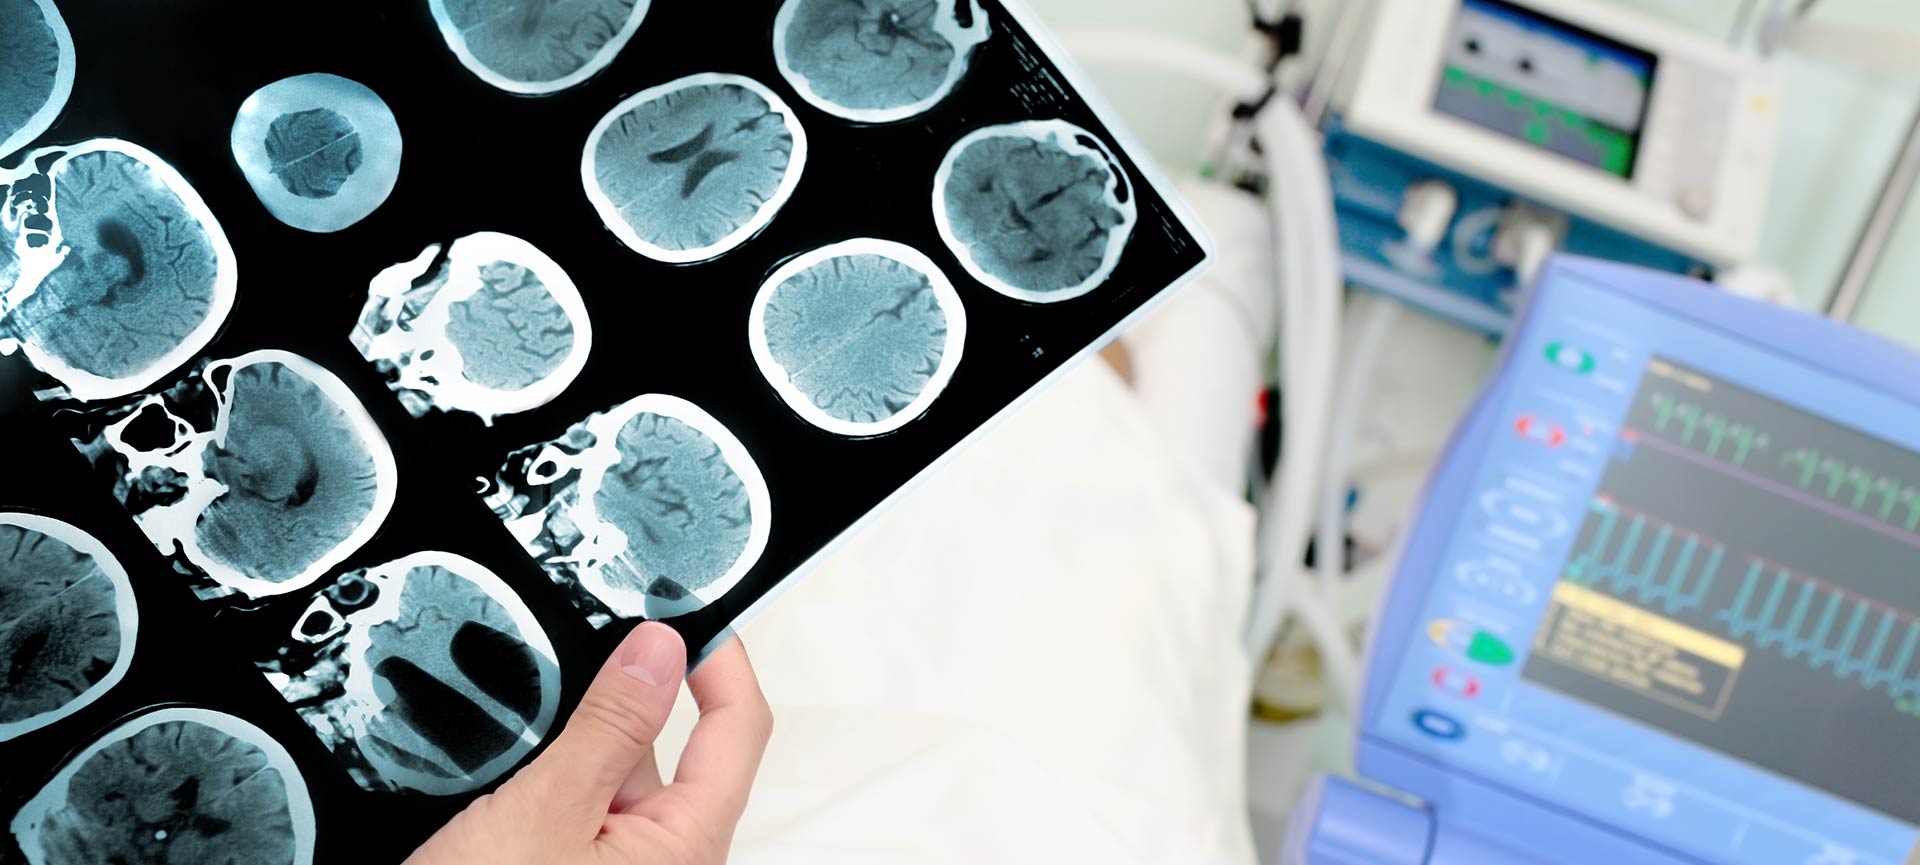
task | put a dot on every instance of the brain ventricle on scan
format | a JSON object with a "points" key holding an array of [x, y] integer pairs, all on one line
{"points": [[685, 171], [425, 673], [258, 473], [113, 271]]}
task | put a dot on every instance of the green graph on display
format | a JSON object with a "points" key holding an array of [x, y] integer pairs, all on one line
{"points": [[1544, 121], [1882, 496], [1716, 436]]}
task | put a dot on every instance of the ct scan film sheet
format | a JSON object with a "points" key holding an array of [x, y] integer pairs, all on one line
{"points": [[367, 371]]}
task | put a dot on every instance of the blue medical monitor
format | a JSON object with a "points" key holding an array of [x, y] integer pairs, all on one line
{"points": [[1666, 584]]}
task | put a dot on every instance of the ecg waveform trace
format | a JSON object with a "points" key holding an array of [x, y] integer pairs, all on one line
{"points": [[1803, 617], [1864, 491], [1677, 584], [1876, 495], [1685, 421], [1821, 637]]}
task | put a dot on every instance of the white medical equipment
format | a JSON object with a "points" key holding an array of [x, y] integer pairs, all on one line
{"points": [[1580, 106]]}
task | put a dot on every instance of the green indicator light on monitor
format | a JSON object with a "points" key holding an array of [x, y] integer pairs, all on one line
{"points": [[1569, 357], [1489, 649]]}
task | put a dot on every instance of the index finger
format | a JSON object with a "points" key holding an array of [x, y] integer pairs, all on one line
{"points": [[723, 753]]}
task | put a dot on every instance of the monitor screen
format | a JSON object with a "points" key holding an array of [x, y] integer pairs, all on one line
{"points": [[1548, 83], [1679, 596], [1744, 576]]}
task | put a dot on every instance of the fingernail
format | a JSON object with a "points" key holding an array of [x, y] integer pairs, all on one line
{"points": [[653, 654]]}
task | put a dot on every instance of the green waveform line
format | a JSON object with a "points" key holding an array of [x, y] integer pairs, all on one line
{"points": [[1864, 491], [1687, 421]]}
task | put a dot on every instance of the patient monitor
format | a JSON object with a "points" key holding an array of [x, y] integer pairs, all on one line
{"points": [[1660, 601]]}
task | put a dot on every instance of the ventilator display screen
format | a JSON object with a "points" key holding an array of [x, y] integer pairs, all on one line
{"points": [[1548, 83]]}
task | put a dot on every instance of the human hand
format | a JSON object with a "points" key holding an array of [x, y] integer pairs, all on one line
{"points": [[595, 795]]}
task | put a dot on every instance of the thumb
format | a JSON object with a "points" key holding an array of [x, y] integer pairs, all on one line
{"points": [[612, 730]]}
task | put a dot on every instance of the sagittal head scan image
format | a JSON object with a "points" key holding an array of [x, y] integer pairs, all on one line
{"points": [[67, 621], [426, 673], [1037, 210], [487, 325], [536, 47], [651, 509], [875, 61], [260, 472], [36, 70], [322, 152], [688, 170], [113, 272], [858, 337], [175, 785]]}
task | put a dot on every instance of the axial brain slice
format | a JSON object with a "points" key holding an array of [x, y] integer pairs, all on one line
{"points": [[537, 46], [313, 152], [174, 791], [684, 511], [1038, 213], [321, 152], [145, 273], [690, 169], [462, 693], [63, 636], [300, 480], [493, 326], [36, 70], [876, 60], [512, 333], [858, 337]]}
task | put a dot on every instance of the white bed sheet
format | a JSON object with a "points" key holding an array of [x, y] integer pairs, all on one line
{"points": [[1035, 657]]}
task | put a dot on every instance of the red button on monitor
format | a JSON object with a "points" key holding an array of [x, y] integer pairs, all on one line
{"points": [[1543, 431], [1455, 682]]}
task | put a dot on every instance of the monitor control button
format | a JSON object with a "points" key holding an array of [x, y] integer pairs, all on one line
{"points": [[1535, 429], [1455, 682], [1438, 725]]}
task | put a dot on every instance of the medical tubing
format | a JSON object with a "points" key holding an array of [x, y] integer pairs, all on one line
{"points": [[1377, 315], [1307, 265], [1311, 289]]}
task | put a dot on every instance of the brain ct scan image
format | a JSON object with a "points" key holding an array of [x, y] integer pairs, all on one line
{"points": [[650, 509], [876, 61], [113, 272], [67, 621], [36, 70], [1038, 210], [858, 337], [690, 169], [487, 325], [322, 152], [536, 47], [426, 674], [260, 473], [172, 786]]}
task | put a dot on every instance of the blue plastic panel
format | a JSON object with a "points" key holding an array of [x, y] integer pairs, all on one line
{"points": [[1460, 281], [1546, 674]]}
